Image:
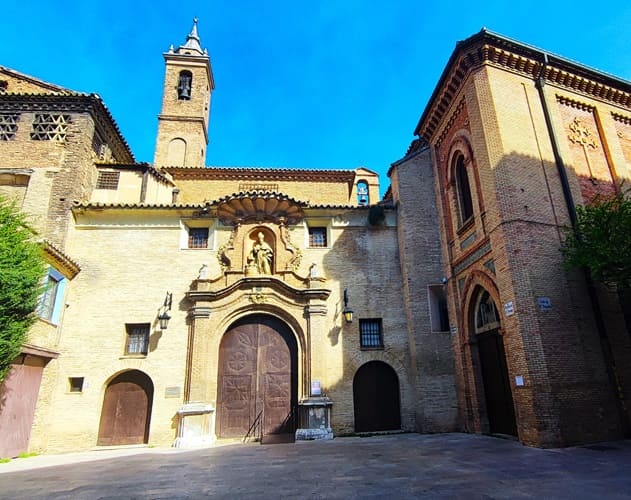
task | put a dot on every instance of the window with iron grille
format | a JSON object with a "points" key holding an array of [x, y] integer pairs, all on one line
{"points": [[370, 333], [8, 126], [4, 85], [137, 338], [107, 180], [197, 237], [50, 127], [317, 237]]}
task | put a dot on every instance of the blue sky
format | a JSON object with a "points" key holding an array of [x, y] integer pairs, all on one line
{"points": [[305, 84]]}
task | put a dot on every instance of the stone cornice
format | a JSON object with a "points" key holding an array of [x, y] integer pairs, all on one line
{"points": [[489, 48], [621, 118], [304, 295]]}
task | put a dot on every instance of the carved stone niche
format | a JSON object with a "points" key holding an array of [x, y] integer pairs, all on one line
{"points": [[260, 223]]}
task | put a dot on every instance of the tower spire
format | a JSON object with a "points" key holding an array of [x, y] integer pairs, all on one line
{"points": [[192, 40]]}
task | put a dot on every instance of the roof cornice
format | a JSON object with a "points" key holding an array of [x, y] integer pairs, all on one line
{"points": [[266, 174], [490, 48]]}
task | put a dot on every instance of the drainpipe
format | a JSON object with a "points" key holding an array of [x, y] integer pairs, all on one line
{"points": [[143, 186], [605, 345]]}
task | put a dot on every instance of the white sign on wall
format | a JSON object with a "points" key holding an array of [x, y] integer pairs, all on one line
{"points": [[509, 308]]}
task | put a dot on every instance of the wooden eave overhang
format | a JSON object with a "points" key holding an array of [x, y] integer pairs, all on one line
{"points": [[72, 102], [68, 267], [490, 48]]}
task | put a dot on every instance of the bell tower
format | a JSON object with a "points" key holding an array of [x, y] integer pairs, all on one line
{"points": [[183, 121]]}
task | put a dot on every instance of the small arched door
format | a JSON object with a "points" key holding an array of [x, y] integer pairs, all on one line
{"points": [[126, 411], [258, 361], [497, 389], [376, 398]]}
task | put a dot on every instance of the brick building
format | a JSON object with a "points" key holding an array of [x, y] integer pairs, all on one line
{"points": [[196, 303], [514, 138]]}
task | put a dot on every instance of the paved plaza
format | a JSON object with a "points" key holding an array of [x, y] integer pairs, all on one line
{"points": [[395, 466]]}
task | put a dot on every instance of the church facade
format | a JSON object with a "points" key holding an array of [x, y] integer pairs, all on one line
{"points": [[190, 304]]}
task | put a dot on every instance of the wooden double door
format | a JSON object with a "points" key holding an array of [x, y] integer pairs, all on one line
{"points": [[257, 375]]}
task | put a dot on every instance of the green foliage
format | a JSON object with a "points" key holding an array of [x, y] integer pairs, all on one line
{"points": [[21, 271], [601, 241]]}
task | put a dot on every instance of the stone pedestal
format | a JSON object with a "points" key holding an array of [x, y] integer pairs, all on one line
{"points": [[314, 419], [196, 421]]}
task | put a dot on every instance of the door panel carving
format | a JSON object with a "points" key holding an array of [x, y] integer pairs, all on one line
{"points": [[256, 374]]}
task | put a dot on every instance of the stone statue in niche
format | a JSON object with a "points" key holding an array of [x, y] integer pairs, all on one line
{"points": [[261, 256]]}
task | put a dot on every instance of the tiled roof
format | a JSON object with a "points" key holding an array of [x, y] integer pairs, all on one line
{"points": [[50, 87], [268, 174], [66, 100], [71, 267]]}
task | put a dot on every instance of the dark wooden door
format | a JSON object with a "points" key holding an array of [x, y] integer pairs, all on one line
{"points": [[376, 398], [497, 390], [18, 396], [256, 374], [126, 410]]}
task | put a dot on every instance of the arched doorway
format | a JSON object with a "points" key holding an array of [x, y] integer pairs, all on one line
{"points": [[258, 375], [497, 390], [376, 398], [126, 411]]}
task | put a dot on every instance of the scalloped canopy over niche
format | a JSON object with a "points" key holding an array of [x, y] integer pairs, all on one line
{"points": [[259, 206]]}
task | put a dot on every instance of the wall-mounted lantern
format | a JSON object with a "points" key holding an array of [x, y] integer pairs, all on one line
{"points": [[164, 317], [347, 312]]}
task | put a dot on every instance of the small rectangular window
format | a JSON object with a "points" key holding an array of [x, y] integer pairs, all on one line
{"points": [[198, 237], [370, 333], [137, 338], [107, 180], [75, 384], [317, 237]]}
